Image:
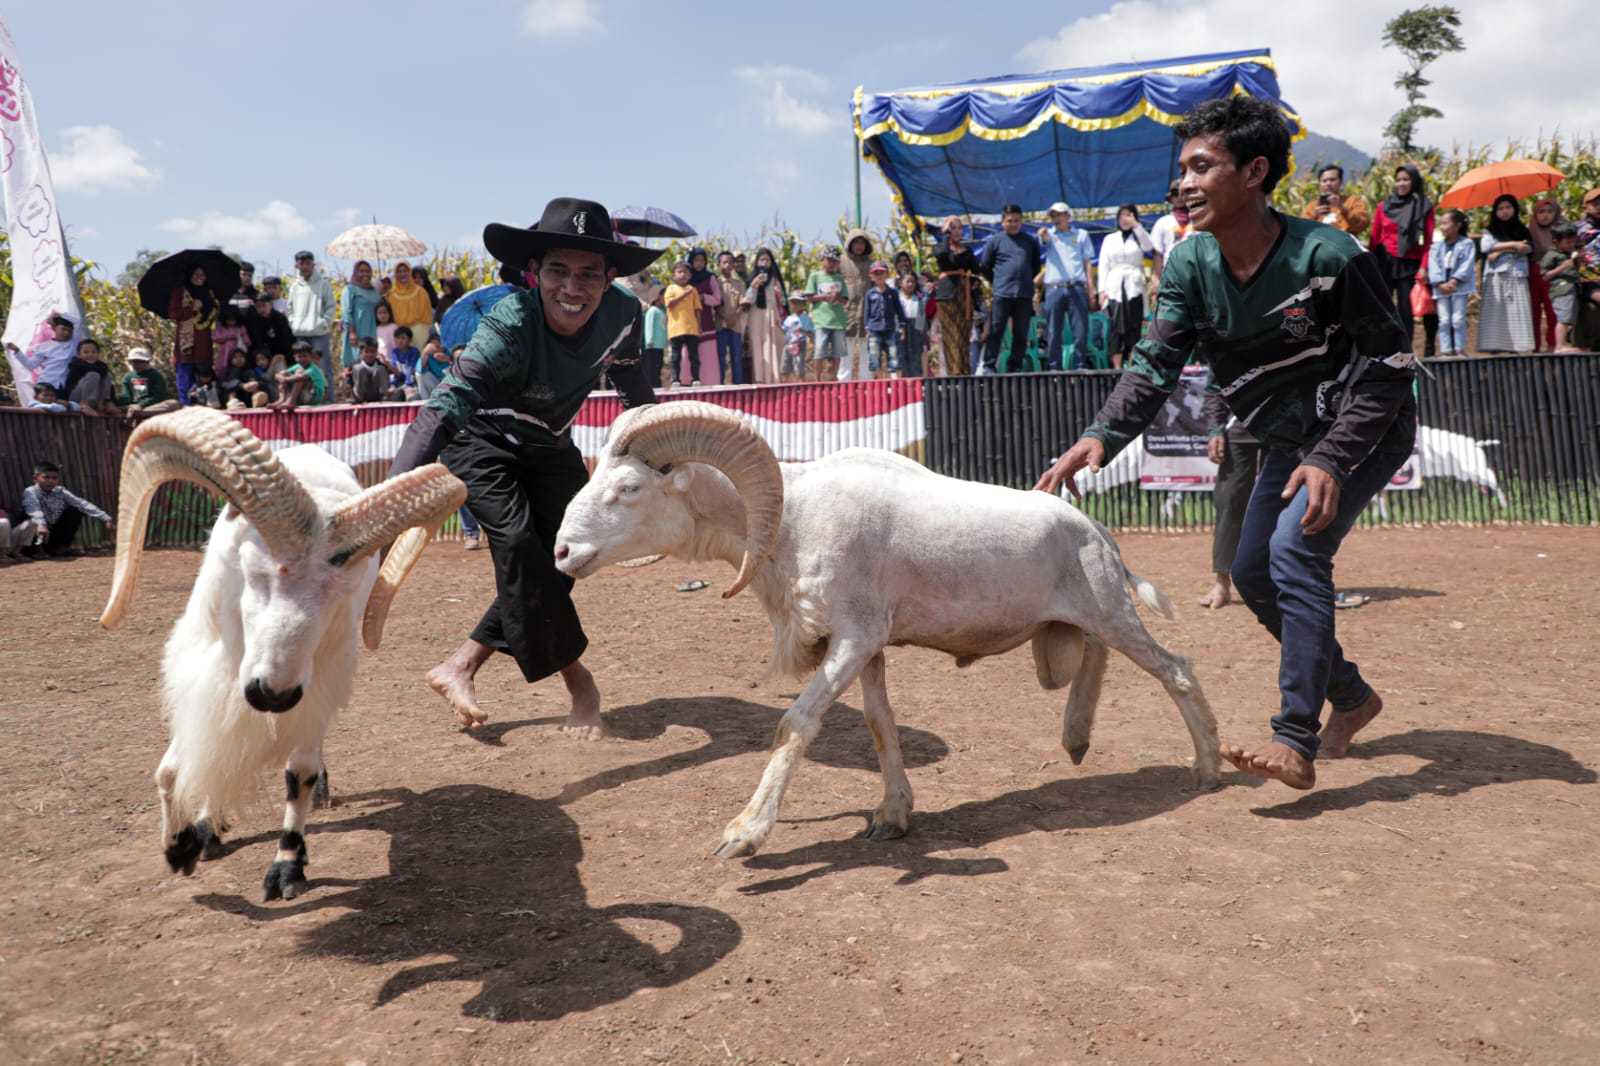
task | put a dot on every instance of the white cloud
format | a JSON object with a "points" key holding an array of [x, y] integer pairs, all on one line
{"points": [[348, 216], [98, 157], [1334, 70], [261, 228], [781, 109], [779, 177], [559, 18]]}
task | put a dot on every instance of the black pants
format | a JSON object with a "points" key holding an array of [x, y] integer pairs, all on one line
{"points": [[1236, 479], [63, 531], [1019, 311], [652, 366], [518, 495], [1401, 275]]}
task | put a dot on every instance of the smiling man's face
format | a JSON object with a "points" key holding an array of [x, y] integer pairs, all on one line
{"points": [[1214, 186], [571, 284]]}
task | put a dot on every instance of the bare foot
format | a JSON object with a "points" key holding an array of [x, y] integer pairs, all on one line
{"points": [[1219, 595], [1342, 727], [453, 681], [583, 721], [1277, 762]]}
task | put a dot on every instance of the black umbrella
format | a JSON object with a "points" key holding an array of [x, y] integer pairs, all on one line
{"points": [[650, 222], [173, 271]]}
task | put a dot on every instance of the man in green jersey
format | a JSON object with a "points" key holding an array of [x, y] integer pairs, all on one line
{"points": [[1304, 347], [499, 419]]}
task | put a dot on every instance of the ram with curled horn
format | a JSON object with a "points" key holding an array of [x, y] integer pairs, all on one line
{"points": [[264, 654], [865, 549]]}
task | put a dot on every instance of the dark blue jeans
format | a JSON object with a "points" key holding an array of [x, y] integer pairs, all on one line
{"points": [[730, 354], [1018, 310], [1063, 304], [1286, 579]]}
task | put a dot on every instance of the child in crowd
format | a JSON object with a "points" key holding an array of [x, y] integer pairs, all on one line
{"points": [[829, 298], [1559, 266], [54, 514], [655, 340], [383, 314], [233, 380], [370, 376], [44, 399], [403, 360], [914, 330], [435, 363], [303, 385], [227, 336], [1450, 263], [796, 336], [262, 387], [205, 392], [683, 322], [272, 289], [881, 318], [144, 390]]}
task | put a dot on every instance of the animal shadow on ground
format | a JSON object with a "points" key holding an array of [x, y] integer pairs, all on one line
{"points": [[1055, 807], [489, 879], [1459, 760], [733, 727]]}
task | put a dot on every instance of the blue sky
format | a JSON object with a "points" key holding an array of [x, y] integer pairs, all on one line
{"points": [[170, 124]]}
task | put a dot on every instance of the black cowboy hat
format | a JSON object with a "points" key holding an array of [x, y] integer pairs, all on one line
{"points": [[567, 223]]}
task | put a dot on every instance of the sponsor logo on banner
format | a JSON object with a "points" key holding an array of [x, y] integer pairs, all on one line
{"points": [[1174, 446]]}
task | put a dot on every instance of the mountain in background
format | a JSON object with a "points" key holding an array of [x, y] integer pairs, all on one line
{"points": [[1320, 149]]}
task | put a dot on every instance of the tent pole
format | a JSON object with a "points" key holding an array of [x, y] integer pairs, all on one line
{"points": [[856, 154]]}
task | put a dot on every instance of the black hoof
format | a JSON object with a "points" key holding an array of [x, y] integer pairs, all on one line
{"points": [[1077, 754], [882, 831], [320, 797], [285, 879], [211, 846], [184, 851]]}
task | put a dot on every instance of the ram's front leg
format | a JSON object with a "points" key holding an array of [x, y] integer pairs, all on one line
{"points": [[796, 730], [893, 816], [286, 877]]}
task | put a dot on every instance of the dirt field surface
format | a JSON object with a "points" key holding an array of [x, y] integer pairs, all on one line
{"points": [[519, 896]]}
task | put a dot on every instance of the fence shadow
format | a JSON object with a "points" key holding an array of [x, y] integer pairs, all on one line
{"points": [[489, 879], [1058, 806], [733, 727], [1459, 760]]}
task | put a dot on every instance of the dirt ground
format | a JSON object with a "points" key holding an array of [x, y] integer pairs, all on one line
{"points": [[519, 896]]}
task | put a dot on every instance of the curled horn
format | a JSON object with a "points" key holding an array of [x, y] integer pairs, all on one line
{"points": [[409, 507], [208, 448], [688, 431]]}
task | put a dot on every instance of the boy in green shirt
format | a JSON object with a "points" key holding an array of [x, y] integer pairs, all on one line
{"points": [[144, 390], [828, 296], [303, 384]]}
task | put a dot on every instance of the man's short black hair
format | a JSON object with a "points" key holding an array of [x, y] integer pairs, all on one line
{"points": [[370, 343], [62, 320], [1562, 230], [300, 346], [403, 331], [1011, 209], [1248, 128], [45, 466], [251, 267], [724, 252], [272, 279], [263, 298], [1335, 167], [88, 341]]}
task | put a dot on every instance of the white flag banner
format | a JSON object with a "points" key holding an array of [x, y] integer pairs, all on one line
{"points": [[43, 286]]}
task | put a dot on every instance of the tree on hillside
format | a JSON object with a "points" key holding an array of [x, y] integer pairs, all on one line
{"points": [[1422, 34], [135, 270]]}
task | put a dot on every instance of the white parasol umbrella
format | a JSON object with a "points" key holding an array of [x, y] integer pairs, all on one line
{"points": [[375, 241]]}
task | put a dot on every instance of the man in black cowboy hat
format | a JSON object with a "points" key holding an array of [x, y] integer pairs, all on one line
{"points": [[499, 420]]}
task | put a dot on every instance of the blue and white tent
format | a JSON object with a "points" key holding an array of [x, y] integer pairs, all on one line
{"points": [[1093, 137]]}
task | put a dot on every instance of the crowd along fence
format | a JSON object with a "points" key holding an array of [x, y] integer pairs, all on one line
{"points": [[1502, 440]]}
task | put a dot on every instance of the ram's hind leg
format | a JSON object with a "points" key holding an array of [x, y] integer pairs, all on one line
{"points": [[286, 877], [1176, 675], [180, 842], [1077, 722], [893, 817]]}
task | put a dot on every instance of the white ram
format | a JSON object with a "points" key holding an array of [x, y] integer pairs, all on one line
{"points": [[867, 549], [264, 654]]}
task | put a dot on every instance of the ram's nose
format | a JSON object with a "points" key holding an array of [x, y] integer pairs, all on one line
{"points": [[562, 551], [263, 698]]}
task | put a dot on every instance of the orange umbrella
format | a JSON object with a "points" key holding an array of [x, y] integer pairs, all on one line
{"points": [[1480, 186]]}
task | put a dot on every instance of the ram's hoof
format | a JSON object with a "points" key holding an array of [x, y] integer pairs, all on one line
{"points": [[1076, 754], [211, 846], [880, 830], [183, 851], [285, 879]]}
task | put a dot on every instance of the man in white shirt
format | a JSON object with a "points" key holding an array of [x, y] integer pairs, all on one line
{"points": [[1169, 230], [311, 309], [1069, 287]]}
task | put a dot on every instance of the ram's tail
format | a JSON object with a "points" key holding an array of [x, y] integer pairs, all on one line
{"points": [[1149, 595]]}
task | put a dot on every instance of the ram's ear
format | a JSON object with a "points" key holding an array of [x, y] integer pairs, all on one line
{"points": [[679, 478]]}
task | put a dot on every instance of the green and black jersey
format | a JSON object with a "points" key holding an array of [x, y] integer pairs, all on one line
{"points": [[518, 380], [1309, 353]]}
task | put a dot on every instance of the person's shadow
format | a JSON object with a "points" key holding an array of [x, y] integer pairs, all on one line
{"points": [[489, 878], [1459, 760]]}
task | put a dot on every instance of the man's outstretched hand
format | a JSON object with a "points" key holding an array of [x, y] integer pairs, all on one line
{"points": [[1088, 452], [1322, 496]]}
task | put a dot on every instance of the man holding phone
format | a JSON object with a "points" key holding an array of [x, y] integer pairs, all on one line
{"points": [[1333, 208]]}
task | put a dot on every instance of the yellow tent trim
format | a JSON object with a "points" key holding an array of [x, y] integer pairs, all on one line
{"points": [[1191, 70]]}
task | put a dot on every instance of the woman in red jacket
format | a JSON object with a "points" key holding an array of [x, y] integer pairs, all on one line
{"points": [[1402, 231]]}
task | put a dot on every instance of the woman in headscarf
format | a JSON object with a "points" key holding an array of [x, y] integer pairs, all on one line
{"points": [[1402, 230], [1122, 283], [410, 303], [958, 272], [706, 353], [765, 300], [1546, 214], [193, 309], [1505, 320], [420, 276], [903, 265], [453, 291], [357, 310]]}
